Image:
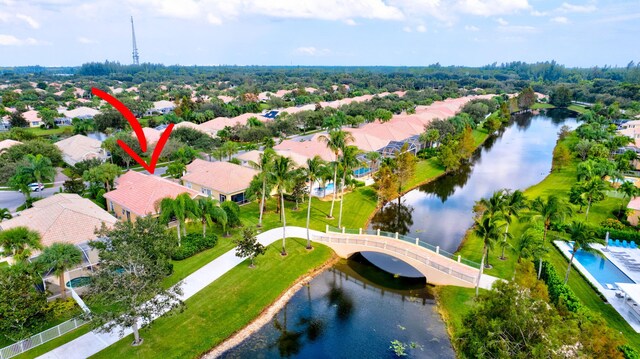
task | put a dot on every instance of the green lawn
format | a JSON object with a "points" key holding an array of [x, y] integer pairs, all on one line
{"points": [[52, 344], [558, 182], [453, 304], [541, 105], [49, 132], [578, 108], [224, 307]]}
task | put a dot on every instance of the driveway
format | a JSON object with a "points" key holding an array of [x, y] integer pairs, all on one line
{"points": [[14, 199]]}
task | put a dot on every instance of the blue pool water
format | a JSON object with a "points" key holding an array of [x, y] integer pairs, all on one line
{"points": [[327, 189], [602, 269], [361, 171]]}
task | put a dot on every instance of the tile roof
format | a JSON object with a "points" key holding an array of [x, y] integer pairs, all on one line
{"points": [[139, 193], [81, 112], [62, 218], [78, 148], [162, 104], [634, 203], [8, 143], [307, 148], [223, 177]]}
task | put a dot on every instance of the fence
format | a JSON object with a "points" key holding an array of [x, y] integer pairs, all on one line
{"points": [[40, 338], [404, 238]]}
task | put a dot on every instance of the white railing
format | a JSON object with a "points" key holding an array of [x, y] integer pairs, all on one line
{"points": [[40, 338], [399, 250]]}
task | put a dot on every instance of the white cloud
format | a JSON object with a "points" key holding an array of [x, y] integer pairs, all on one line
{"points": [[566, 7], [10, 40], [311, 51], [517, 29], [421, 28], [560, 20], [471, 28], [4, 17], [212, 19], [502, 22], [86, 40], [492, 7], [539, 13], [350, 22], [407, 29], [29, 20]]}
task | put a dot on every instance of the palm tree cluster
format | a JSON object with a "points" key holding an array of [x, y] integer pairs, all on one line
{"points": [[183, 207]]}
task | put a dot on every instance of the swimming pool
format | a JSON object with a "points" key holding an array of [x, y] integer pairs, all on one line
{"points": [[327, 189], [79, 282], [602, 269], [361, 171]]}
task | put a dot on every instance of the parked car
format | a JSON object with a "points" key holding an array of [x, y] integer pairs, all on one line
{"points": [[36, 187]]}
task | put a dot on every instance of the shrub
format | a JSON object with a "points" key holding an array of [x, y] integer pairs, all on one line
{"points": [[194, 243], [628, 235], [60, 308], [427, 153], [559, 293], [233, 213], [628, 352], [613, 224]]}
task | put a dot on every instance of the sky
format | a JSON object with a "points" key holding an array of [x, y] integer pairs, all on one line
{"points": [[577, 33]]}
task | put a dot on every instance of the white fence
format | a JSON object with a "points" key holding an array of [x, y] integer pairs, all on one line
{"points": [[40, 338]]}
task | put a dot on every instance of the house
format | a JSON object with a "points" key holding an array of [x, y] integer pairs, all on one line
{"points": [[162, 107], [5, 123], [32, 118], [634, 211], [79, 148], [307, 149], [4, 145], [83, 113], [137, 195], [222, 181]]}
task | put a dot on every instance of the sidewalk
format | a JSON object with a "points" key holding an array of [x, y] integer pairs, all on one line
{"points": [[91, 343]]}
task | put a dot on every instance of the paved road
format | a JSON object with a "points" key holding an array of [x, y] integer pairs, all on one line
{"points": [[92, 342], [14, 199]]}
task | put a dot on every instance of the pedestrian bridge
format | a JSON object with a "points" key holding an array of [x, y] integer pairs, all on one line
{"points": [[438, 266]]}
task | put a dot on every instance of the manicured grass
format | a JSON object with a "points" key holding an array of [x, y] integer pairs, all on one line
{"points": [[578, 108], [541, 105], [224, 307], [453, 304], [52, 131]]}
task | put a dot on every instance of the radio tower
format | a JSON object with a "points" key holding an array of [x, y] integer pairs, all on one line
{"points": [[136, 58]]}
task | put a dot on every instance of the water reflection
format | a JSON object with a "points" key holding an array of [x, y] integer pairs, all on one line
{"points": [[394, 217], [517, 158], [341, 314]]}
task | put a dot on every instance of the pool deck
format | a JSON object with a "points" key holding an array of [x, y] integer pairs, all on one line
{"points": [[610, 294]]}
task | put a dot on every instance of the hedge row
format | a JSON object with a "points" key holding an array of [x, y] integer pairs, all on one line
{"points": [[559, 293], [194, 243]]}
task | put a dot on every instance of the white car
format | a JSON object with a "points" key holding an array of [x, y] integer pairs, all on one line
{"points": [[36, 187]]}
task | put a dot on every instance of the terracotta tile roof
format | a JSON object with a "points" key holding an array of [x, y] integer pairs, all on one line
{"points": [[139, 193], [634, 203], [62, 218], [307, 148], [367, 141], [8, 143], [226, 99], [223, 177], [78, 148], [162, 104], [150, 134], [81, 112]]}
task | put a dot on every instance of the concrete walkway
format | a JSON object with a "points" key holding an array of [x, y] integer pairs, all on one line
{"points": [[92, 342]]}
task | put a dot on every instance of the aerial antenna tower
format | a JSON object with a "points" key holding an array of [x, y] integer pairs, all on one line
{"points": [[136, 58]]}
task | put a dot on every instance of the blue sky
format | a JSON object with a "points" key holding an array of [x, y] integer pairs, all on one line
{"points": [[320, 32]]}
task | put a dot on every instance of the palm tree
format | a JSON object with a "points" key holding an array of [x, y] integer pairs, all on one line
{"points": [[282, 173], [336, 141], [514, 202], [528, 245], [374, 159], [492, 206], [19, 243], [265, 161], [314, 169], [593, 191], [208, 211], [349, 162], [179, 208], [582, 237], [5, 214], [60, 257], [553, 209], [629, 190], [488, 228], [39, 167]]}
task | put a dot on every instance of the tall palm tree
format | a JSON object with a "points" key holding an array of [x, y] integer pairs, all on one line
{"points": [[313, 171], [593, 191], [492, 206], [528, 245], [19, 242], [282, 173], [265, 161], [5, 214], [582, 237], [374, 159], [349, 162], [208, 211], [514, 203], [489, 229], [628, 189], [549, 210], [179, 208], [336, 141], [60, 257], [39, 167]]}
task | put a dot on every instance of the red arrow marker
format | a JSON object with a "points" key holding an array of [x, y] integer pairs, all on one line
{"points": [[137, 129]]}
